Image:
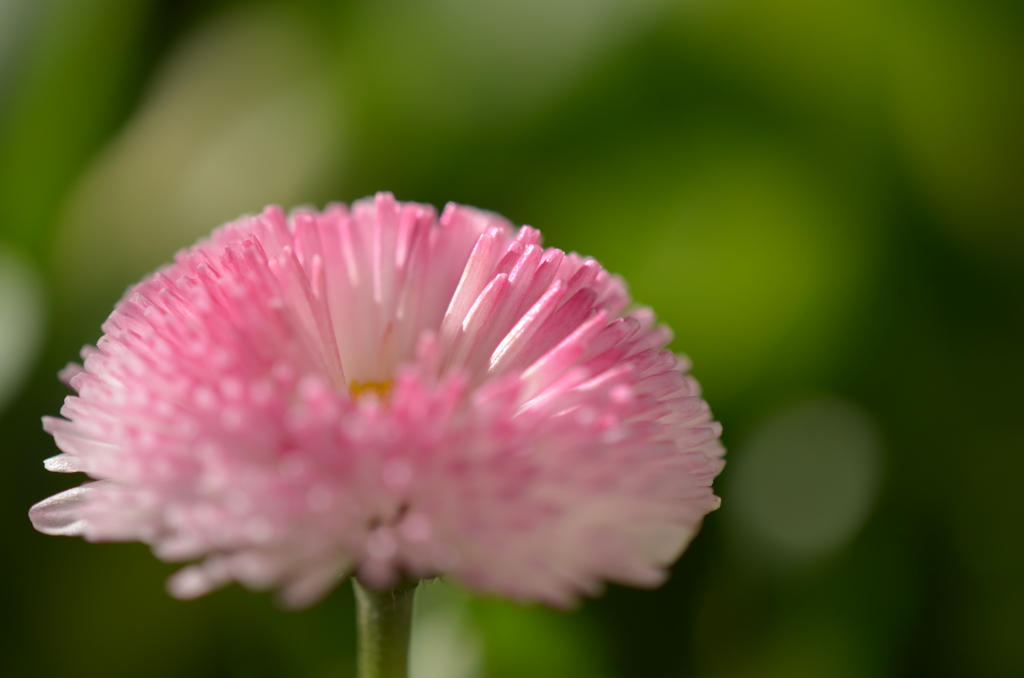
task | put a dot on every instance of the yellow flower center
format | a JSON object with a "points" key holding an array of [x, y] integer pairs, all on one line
{"points": [[361, 388]]}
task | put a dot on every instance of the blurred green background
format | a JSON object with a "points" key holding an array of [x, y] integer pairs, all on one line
{"points": [[824, 200]]}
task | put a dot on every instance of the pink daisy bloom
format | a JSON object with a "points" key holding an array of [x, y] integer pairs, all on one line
{"points": [[381, 392]]}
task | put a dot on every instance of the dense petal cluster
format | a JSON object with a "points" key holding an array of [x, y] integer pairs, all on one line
{"points": [[381, 391]]}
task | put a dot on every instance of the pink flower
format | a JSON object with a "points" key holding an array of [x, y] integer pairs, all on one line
{"points": [[380, 392]]}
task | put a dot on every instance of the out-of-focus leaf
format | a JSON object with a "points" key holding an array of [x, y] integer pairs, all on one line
{"points": [[537, 642], [66, 100], [957, 85], [22, 321], [241, 115], [453, 66], [755, 262], [825, 58]]}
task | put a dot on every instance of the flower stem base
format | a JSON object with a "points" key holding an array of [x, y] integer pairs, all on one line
{"points": [[385, 621]]}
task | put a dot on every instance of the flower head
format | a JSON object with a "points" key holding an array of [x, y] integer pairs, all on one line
{"points": [[379, 391]]}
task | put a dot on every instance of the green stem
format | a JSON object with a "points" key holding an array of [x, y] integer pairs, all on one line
{"points": [[385, 619]]}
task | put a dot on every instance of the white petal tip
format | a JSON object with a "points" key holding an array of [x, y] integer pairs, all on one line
{"points": [[62, 463], [59, 515], [195, 581]]}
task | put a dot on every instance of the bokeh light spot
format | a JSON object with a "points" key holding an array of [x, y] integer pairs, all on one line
{"points": [[805, 480], [445, 643]]}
